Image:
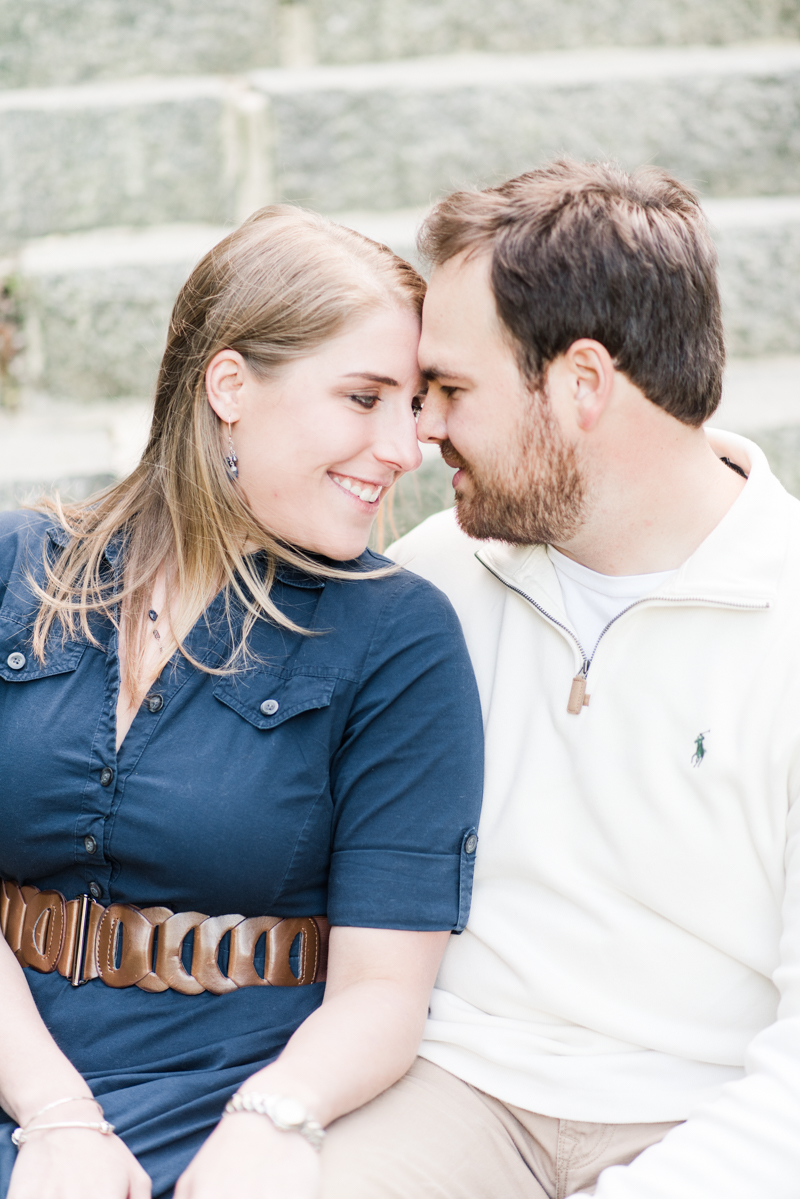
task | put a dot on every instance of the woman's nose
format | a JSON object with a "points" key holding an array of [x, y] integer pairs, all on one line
{"points": [[399, 447]]}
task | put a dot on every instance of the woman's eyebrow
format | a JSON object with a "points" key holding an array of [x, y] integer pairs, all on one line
{"points": [[372, 378]]}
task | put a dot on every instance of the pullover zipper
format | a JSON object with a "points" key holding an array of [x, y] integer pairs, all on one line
{"points": [[578, 698]]}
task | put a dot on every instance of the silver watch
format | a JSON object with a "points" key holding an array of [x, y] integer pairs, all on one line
{"points": [[286, 1113]]}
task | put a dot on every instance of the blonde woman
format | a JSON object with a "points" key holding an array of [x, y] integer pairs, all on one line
{"points": [[233, 742]]}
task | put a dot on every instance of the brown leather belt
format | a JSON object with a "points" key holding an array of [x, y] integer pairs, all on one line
{"points": [[81, 940]]}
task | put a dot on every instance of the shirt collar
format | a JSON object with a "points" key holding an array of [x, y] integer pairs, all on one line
{"points": [[286, 573]]}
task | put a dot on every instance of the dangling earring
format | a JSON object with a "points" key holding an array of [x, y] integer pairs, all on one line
{"points": [[230, 458]]}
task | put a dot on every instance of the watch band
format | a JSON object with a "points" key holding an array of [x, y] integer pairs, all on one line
{"points": [[285, 1112]]}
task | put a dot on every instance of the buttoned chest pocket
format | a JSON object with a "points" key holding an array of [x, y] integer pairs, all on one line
{"points": [[267, 699], [45, 745], [18, 663]]}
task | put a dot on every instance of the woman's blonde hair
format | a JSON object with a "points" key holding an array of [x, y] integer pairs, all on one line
{"points": [[274, 290]]}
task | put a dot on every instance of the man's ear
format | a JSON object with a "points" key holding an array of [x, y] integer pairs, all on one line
{"points": [[225, 378], [592, 371]]}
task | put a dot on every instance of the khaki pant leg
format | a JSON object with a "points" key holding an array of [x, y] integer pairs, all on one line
{"points": [[430, 1136], [585, 1150]]}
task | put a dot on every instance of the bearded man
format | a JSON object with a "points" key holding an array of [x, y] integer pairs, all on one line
{"points": [[621, 1016]]}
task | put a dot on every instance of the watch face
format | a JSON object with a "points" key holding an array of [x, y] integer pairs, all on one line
{"points": [[291, 1113]]}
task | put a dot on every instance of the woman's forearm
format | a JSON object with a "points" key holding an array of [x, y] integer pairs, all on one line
{"points": [[33, 1070], [348, 1051], [367, 1032]]}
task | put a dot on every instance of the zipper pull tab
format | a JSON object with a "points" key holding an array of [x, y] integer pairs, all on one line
{"points": [[577, 693]]}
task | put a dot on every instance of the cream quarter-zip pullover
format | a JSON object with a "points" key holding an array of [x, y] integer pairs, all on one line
{"points": [[633, 952]]}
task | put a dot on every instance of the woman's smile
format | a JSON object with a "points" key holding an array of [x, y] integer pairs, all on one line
{"points": [[360, 489]]}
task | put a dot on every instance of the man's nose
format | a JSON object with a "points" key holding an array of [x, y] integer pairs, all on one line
{"points": [[431, 422]]}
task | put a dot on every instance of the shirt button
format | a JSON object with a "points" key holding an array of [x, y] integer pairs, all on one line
{"points": [[16, 661], [95, 890], [154, 703], [471, 843], [269, 707], [106, 775], [89, 844]]}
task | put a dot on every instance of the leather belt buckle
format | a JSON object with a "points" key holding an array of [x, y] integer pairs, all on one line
{"points": [[76, 969]]}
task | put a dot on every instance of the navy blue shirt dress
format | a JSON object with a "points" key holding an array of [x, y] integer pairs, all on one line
{"points": [[357, 797]]}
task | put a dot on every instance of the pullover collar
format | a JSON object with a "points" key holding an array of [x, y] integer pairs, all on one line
{"points": [[739, 564]]}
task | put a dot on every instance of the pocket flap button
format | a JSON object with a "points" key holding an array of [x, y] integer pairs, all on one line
{"points": [[89, 844], [471, 843], [269, 707], [16, 661]]}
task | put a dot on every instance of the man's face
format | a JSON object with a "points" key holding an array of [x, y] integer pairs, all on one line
{"points": [[518, 478]]}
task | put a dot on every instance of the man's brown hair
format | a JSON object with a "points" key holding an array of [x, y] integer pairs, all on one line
{"points": [[588, 250]]}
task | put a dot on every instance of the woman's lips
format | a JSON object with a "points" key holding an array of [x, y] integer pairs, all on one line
{"points": [[369, 494]]}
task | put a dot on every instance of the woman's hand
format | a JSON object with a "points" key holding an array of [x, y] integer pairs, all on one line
{"points": [[248, 1157], [77, 1163]]}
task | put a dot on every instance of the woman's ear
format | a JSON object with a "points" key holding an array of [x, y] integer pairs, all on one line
{"points": [[225, 378], [593, 373]]}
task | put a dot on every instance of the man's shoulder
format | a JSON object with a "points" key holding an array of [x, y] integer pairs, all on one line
{"points": [[440, 551]]}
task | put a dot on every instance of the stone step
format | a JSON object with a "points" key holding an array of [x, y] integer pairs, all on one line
{"points": [[140, 153], [44, 43], [347, 31], [78, 448], [51, 42], [391, 135], [759, 253], [94, 308], [388, 135]]}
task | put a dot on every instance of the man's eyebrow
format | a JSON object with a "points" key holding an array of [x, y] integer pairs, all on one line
{"points": [[433, 373], [372, 378]]}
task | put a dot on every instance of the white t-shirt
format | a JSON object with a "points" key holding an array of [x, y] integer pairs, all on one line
{"points": [[592, 600]]}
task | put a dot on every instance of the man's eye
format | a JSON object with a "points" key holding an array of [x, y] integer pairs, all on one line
{"points": [[365, 401]]}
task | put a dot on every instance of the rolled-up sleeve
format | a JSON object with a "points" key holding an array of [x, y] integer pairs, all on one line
{"points": [[407, 778]]}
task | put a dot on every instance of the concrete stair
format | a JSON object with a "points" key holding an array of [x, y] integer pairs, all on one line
{"points": [[132, 135], [396, 134]]}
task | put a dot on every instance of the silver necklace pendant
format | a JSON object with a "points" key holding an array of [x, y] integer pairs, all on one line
{"points": [[154, 617]]}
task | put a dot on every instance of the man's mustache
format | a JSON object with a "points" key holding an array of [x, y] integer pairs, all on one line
{"points": [[452, 456]]}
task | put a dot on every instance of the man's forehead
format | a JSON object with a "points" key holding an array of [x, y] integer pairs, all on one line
{"points": [[459, 317]]}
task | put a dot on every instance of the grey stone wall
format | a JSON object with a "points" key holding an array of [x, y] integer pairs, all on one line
{"points": [[48, 42], [44, 43], [348, 31], [401, 134], [140, 153]]}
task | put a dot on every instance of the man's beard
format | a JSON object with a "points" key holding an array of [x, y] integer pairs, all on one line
{"points": [[533, 495]]}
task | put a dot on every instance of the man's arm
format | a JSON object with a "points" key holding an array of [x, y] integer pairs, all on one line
{"points": [[746, 1143]]}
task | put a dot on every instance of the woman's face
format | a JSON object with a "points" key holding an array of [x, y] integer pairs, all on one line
{"points": [[319, 446]]}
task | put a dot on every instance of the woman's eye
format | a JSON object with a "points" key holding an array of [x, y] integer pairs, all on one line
{"points": [[365, 401], [417, 404]]}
